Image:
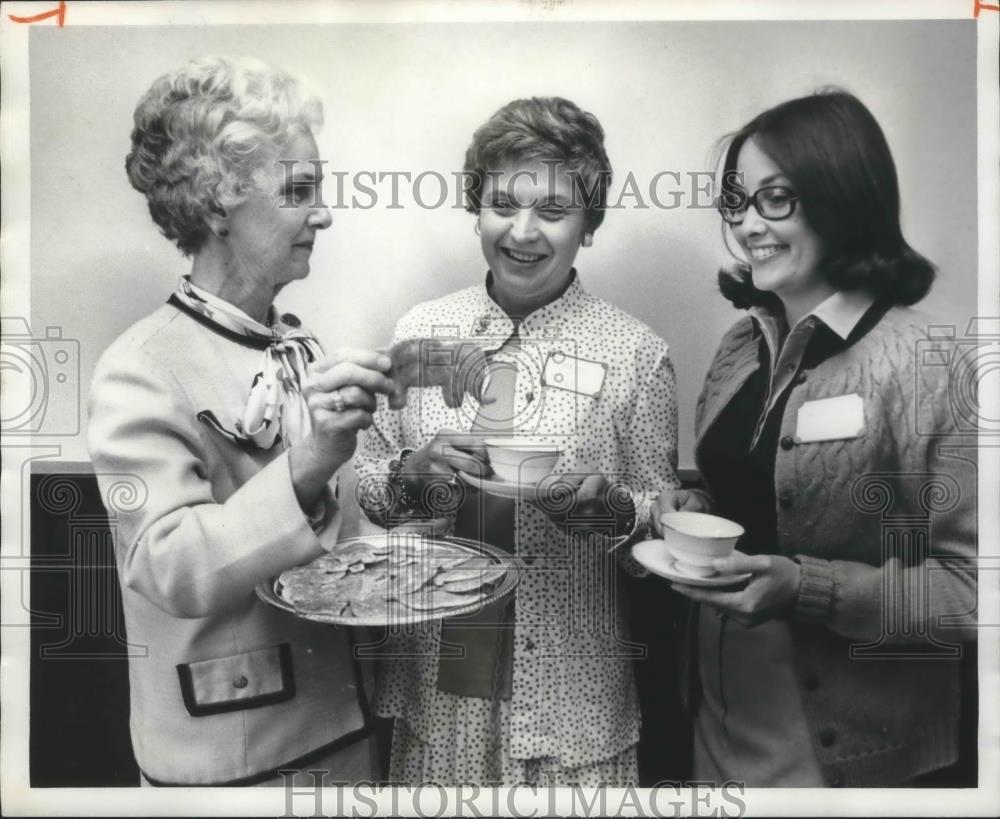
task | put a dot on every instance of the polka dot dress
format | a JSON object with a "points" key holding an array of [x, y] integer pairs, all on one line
{"points": [[461, 753], [600, 384]]}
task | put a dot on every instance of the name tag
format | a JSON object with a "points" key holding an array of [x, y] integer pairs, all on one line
{"points": [[565, 372], [830, 419]]}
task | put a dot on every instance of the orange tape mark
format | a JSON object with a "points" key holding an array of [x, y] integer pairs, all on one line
{"points": [[59, 12]]}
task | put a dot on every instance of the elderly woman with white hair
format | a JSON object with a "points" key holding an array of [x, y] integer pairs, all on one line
{"points": [[233, 423]]}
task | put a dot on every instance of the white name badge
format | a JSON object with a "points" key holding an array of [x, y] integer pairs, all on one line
{"points": [[579, 375], [830, 419]]}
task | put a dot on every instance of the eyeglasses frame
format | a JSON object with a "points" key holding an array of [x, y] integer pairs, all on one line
{"points": [[751, 199]]}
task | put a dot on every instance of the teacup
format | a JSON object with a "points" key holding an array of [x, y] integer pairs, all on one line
{"points": [[527, 460], [696, 540]]}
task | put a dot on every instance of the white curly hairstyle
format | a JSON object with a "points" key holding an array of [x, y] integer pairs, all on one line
{"points": [[207, 134]]}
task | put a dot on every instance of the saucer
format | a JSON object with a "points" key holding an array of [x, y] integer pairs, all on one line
{"points": [[525, 492], [650, 554], [502, 489]]}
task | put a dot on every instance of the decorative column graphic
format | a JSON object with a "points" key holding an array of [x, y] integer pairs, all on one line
{"points": [[95, 626], [907, 618], [593, 532]]}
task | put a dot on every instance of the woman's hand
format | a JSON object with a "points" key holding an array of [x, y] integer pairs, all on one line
{"points": [[340, 392], [583, 499], [769, 593], [447, 453], [676, 500]]}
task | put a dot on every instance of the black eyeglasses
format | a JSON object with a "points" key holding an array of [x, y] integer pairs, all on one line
{"points": [[774, 203]]}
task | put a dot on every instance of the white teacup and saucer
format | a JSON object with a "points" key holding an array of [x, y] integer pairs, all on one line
{"points": [[692, 542], [519, 465]]}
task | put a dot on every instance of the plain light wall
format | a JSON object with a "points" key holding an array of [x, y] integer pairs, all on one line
{"points": [[408, 98]]}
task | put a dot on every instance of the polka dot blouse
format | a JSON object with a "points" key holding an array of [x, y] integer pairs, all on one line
{"points": [[573, 693]]}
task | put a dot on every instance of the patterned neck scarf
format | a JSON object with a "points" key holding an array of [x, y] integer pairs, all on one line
{"points": [[275, 405]]}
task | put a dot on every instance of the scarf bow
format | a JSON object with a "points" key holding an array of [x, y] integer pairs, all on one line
{"points": [[275, 407]]}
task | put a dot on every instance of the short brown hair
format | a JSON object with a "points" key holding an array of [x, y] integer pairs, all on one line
{"points": [[551, 129]]}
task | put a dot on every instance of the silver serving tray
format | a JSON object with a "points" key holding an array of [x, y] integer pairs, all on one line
{"points": [[270, 590]]}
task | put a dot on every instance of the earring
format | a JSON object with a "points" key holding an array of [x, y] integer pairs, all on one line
{"points": [[476, 228], [222, 232], [588, 239]]}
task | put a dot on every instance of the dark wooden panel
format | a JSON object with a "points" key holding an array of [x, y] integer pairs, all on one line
{"points": [[79, 695]]}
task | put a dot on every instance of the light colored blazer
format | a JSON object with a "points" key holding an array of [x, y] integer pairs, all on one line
{"points": [[231, 688]]}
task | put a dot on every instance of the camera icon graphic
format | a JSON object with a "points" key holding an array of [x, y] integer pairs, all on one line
{"points": [[972, 363], [472, 365], [41, 381]]}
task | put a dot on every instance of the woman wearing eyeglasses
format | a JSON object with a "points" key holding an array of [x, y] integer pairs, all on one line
{"points": [[821, 432]]}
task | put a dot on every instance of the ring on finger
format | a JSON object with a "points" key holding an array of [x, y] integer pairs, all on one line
{"points": [[337, 401]]}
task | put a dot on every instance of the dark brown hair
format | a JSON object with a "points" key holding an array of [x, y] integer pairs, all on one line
{"points": [[837, 159]]}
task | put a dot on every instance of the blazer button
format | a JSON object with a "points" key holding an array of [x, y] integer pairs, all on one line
{"points": [[785, 501], [811, 682], [239, 681], [529, 397], [786, 442], [827, 738], [529, 644]]}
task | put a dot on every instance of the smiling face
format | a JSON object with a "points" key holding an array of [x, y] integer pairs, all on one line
{"points": [[530, 231], [784, 255], [270, 235]]}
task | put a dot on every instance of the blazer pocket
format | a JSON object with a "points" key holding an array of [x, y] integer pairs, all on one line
{"points": [[238, 683]]}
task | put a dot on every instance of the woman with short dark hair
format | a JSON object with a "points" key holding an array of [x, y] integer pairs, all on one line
{"points": [[818, 431]]}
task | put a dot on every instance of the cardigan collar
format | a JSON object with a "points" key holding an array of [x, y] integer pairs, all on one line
{"points": [[841, 312]]}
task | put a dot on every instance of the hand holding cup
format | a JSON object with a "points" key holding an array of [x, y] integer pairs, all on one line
{"points": [[677, 500]]}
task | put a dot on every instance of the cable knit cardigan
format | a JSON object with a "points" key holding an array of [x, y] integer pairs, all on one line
{"points": [[883, 526]]}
